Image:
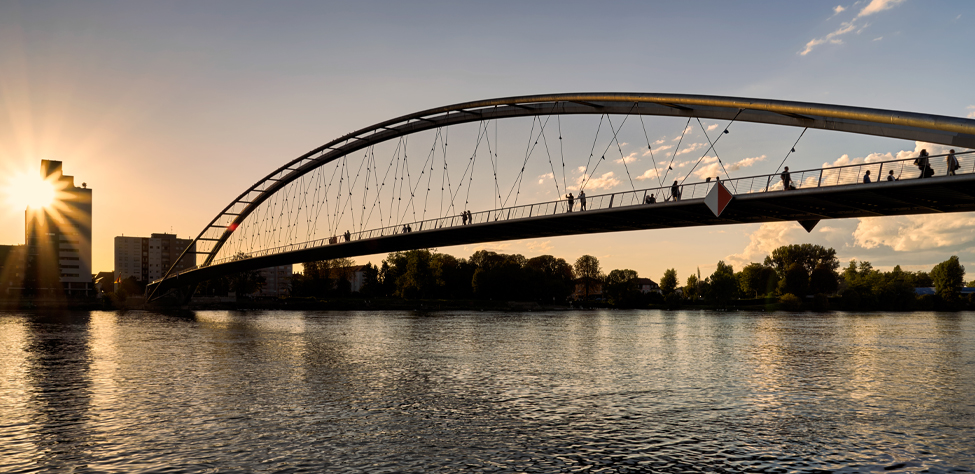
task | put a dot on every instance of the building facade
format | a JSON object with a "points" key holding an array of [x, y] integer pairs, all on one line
{"points": [[277, 281], [148, 258], [58, 238]]}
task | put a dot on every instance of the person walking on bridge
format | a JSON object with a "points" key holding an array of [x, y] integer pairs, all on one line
{"points": [[675, 191], [924, 164], [571, 201], [952, 162], [866, 177], [786, 179], [582, 200]]}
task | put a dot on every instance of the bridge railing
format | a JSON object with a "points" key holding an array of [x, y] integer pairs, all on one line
{"points": [[902, 169]]}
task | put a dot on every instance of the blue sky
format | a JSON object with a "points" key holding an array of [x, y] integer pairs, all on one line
{"points": [[168, 110]]}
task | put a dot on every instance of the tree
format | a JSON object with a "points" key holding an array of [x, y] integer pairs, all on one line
{"points": [[823, 280], [809, 256], [245, 282], [668, 283], [722, 285], [621, 287], [796, 280], [757, 279], [691, 289], [948, 277], [587, 268], [417, 278], [370, 281], [550, 278]]}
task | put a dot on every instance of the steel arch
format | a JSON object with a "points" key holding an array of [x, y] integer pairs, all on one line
{"points": [[951, 131]]}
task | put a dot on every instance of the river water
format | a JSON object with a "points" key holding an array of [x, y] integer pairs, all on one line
{"points": [[588, 391]]}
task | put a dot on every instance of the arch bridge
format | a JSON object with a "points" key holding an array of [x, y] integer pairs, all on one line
{"points": [[360, 194]]}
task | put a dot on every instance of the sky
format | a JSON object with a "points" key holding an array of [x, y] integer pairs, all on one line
{"points": [[169, 110]]}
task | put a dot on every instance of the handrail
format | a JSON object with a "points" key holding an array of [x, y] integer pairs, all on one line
{"points": [[763, 183]]}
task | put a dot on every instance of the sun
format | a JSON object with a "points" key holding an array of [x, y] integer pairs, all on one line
{"points": [[28, 190]]}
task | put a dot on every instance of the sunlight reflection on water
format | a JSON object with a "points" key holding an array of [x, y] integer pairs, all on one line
{"points": [[618, 391]]}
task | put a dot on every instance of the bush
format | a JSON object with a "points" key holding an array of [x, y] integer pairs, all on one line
{"points": [[790, 302]]}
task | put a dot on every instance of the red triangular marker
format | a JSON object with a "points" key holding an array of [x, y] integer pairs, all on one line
{"points": [[718, 199]]}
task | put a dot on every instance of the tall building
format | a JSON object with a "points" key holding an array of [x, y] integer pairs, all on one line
{"points": [[148, 258], [58, 238], [11, 270], [277, 280]]}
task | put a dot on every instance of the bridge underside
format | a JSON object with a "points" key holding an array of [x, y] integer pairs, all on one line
{"points": [[916, 196]]}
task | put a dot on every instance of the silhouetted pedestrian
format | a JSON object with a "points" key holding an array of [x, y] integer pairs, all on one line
{"points": [[348, 236], [582, 200], [786, 179], [866, 177], [463, 217], [890, 175], [952, 162], [675, 191], [923, 164], [571, 201], [650, 199], [470, 217]]}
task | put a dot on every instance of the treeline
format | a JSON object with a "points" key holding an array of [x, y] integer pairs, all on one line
{"points": [[424, 274], [806, 276]]}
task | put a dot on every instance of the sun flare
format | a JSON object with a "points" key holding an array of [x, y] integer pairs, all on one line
{"points": [[27, 190]]}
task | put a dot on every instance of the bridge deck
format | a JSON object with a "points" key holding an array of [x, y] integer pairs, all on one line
{"points": [[914, 196]]}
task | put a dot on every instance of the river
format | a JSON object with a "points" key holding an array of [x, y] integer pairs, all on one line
{"points": [[589, 391]]}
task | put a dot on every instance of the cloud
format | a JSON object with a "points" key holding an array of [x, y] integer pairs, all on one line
{"points": [[712, 127], [878, 38], [876, 6], [659, 141], [690, 148], [678, 137], [714, 168], [833, 37], [539, 245], [659, 149], [628, 158], [648, 174], [606, 181], [932, 148], [543, 177], [911, 233], [763, 241], [972, 113]]}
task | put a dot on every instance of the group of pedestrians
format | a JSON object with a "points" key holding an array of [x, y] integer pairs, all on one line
{"points": [[571, 200], [467, 217], [407, 229]]}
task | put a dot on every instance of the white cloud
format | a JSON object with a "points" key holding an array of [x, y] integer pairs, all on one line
{"points": [[606, 181], [910, 233], [714, 168], [628, 158], [712, 127], [581, 169], [876, 6], [830, 38], [659, 141], [838, 9], [878, 38], [543, 177], [972, 113], [648, 174], [763, 241], [539, 245], [833, 37], [690, 148], [659, 149], [678, 137]]}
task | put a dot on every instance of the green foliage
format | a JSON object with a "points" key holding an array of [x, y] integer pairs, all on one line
{"points": [[790, 302], [757, 279], [551, 278], [620, 288], [796, 280], [693, 287], [823, 280], [948, 277], [587, 267], [722, 285], [809, 256], [668, 283]]}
